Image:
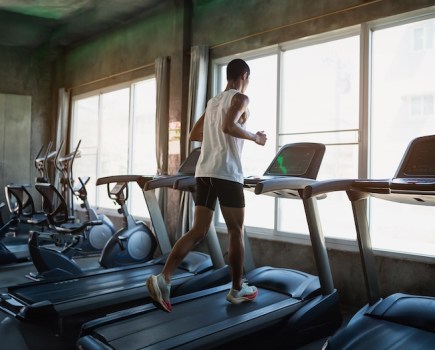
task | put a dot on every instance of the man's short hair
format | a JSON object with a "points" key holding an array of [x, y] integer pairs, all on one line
{"points": [[236, 68]]}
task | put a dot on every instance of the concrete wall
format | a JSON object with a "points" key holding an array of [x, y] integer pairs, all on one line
{"points": [[227, 27], [129, 52], [25, 72]]}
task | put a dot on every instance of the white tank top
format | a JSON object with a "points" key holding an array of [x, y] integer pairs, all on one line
{"points": [[220, 153]]}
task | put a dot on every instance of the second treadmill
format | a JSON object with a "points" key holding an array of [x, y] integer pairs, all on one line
{"points": [[292, 307], [400, 320]]}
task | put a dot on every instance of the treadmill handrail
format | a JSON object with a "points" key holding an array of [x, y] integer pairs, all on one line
{"points": [[119, 178], [163, 181], [321, 187], [187, 183], [279, 183]]}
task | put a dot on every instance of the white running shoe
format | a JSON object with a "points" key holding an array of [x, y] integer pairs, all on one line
{"points": [[246, 293], [160, 291]]}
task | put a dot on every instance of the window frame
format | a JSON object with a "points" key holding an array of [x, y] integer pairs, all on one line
{"points": [[365, 32], [131, 111]]}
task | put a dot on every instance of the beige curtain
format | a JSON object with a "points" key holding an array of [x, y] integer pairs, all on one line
{"points": [[62, 117], [162, 124], [162, 113], [199, 57], [62, 126]]}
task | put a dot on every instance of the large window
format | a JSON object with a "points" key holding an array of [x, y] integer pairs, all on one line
{"points": [[320, 104], [117, 132], [365, 106], [403, 76]]}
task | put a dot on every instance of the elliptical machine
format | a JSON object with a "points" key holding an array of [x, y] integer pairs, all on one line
{"points": [[20, 215], [94, 237], [23, 210]]}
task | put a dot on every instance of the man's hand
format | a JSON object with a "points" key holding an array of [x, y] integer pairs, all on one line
{"points": [[260, 138]]}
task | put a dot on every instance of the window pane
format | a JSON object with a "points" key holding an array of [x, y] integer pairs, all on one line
{"points": [[114, 132], [86, 131], [144, 130], [321, 87], [86, 122], [113, 148], [143, 159], [321, 104], [402, 227], [291, 216], [117, 133], [402, 109], [259, 210]]}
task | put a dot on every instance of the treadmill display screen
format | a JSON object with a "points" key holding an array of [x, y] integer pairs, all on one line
{"points": [[291, 162], [189, 165], [421, 161]]}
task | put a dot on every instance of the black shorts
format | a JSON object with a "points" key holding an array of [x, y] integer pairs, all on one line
{"points": [[229, 193]]}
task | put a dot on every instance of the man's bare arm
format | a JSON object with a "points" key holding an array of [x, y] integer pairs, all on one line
{"points": [[239, 103], [196, 133]]}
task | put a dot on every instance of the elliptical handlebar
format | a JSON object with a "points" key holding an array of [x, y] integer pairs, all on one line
{"points": [[79, 189], [119, 192], [65, 165], [41, 162], [56, 158]]}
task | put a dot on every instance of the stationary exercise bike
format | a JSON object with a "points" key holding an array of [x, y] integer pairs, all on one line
{"points": [[95, 237], [132, 244]]}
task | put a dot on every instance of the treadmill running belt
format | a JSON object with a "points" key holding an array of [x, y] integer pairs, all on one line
{"points": [[86, 293], [225, 321], [77, 288]]}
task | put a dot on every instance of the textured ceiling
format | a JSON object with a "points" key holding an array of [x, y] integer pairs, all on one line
{"points": [[31, 23]]}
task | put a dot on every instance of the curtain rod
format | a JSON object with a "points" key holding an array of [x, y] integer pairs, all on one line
{"points": [[111, 76], [295, 23]]}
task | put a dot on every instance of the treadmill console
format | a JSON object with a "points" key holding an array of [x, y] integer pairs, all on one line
{"points": [[414, 182], [188, 167], [291, 163], [419, 160], [297, 160]]}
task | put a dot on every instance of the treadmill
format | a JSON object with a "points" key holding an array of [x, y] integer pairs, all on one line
{"points": [[53, 311], [398, 321], [292, 307], [185, 172]]}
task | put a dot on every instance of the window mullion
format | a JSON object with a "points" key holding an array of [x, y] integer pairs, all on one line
{"points": [[364, 102], [98, 153], [131, 123]]}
